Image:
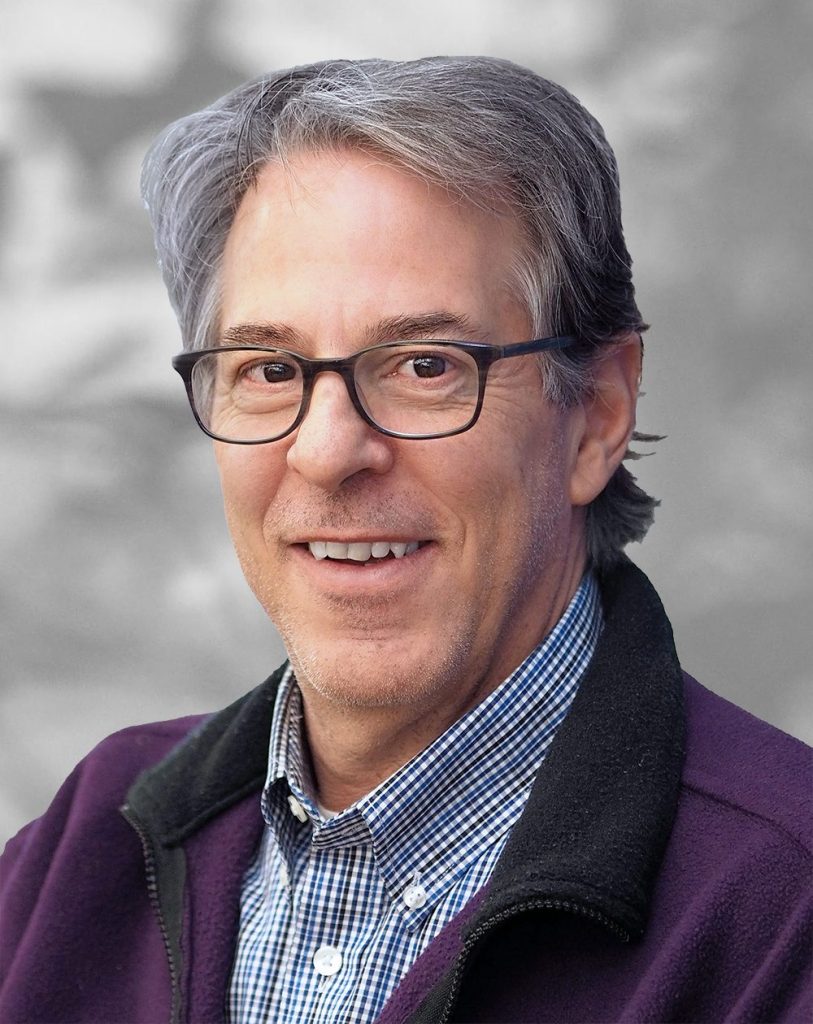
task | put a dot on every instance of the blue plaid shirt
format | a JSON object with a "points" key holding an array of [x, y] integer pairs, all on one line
{"points": [[336, 909]]}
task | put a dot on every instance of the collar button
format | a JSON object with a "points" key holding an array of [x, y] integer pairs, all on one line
{"points": [[414, 896], [297, 809]]}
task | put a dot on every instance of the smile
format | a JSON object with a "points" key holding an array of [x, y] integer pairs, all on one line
{"points": [[361, 551]]}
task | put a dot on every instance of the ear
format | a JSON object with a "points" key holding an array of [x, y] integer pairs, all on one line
{"points": [[606, 420]]}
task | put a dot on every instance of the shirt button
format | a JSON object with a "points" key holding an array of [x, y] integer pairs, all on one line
{"points": [[297, 809], [327, 960], [284, 877], [414, 896]]}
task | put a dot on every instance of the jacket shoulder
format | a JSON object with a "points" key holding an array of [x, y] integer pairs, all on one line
{"points": [[99, 782], [751, 768], [130, 751], [83, 847]]}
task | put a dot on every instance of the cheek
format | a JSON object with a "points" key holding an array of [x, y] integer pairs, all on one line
{"points": [[249, 478], [493, 489], [531, 500]]}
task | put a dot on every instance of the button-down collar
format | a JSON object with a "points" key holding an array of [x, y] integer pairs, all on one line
{"points": [[429, 820]]}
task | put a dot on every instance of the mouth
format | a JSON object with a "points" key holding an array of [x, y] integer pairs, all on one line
{"points": [[362, 552]]}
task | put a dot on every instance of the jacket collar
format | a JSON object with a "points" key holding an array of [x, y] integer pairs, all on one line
{"points": [[222, 761], [601, 809]]}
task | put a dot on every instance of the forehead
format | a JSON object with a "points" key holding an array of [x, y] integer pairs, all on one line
{"points": [[331, 238]]}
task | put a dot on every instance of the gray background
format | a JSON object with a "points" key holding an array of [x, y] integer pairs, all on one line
{"points": [[120, 598]]}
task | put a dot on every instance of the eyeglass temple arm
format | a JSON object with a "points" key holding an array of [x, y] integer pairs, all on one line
{"points": [[537, 345]]}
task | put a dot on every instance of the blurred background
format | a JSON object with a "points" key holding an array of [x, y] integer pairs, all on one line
{"points": [[120, 598]]}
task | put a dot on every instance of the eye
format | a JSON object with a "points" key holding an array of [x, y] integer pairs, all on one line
{"points": [[426, 365], [274, 372], [269, 371], [406, 369], [437, 367]]}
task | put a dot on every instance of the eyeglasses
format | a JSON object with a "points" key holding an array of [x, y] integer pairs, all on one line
{"points": [[248, 394]]}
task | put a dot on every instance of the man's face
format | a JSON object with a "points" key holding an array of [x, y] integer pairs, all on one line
{"points": [[338, 254]]}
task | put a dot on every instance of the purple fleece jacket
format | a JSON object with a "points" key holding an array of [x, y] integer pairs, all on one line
{"points": [[693, 906]]}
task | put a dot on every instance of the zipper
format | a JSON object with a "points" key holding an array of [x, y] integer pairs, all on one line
{"points": [[534, 904], [152, 890]]}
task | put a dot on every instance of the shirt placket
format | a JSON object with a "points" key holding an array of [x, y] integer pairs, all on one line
{"points": [[321, 956]]}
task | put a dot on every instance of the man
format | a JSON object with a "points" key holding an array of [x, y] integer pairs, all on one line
{"points": [[481, 788]]}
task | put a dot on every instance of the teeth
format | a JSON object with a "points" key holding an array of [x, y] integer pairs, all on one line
{"points": [[360, 551]]}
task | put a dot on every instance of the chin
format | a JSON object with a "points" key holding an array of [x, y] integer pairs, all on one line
{"points": [[378, 673]]}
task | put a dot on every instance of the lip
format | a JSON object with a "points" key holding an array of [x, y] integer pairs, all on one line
{"points": [[356, 538], [374, 578]]}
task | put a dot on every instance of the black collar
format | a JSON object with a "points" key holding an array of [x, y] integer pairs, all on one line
{"points": [[220, 763], [602, 806]]}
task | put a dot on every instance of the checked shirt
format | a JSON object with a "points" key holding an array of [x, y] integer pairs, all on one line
{"points": [[335, 909]]}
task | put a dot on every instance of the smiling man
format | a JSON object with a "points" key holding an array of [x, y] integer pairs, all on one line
{"points": [[480, 788], [479, 535]]}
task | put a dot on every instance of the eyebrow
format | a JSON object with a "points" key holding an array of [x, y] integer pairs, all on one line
{"points": [[437, 324]]}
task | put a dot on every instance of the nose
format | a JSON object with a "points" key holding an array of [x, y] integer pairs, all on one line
{"points": [[333, 443]]}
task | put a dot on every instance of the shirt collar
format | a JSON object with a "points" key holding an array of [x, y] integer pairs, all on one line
{"points": [[430, 819]]}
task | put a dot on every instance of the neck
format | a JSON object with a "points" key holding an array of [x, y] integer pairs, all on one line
{"points": [[355, 748]]}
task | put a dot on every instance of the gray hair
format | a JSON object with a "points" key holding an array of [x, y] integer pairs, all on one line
{"points": [[491, 132]]}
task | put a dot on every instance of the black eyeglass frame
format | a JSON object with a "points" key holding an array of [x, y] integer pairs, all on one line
{"points": [[484, 356]]}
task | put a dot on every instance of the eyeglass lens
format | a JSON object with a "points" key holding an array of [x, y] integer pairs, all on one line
{"points": [[419, 389]]}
